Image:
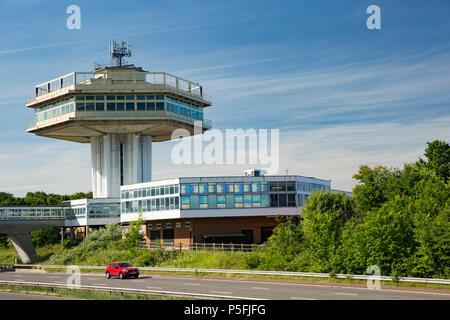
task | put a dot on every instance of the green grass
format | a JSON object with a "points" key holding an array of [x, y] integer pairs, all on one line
{"points": [[208, 260], [8, 255]]}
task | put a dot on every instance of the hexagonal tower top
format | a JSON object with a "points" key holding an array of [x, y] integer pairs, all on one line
{"points": [[121, 99], [120, 110]]}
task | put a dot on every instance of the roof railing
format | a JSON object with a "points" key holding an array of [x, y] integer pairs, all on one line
{"points": [[75, 79]]}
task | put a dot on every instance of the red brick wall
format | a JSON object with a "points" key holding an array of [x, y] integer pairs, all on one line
{"points": [[201, 226]]}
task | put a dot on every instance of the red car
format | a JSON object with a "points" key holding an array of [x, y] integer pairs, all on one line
{"points": [[121, 270]]}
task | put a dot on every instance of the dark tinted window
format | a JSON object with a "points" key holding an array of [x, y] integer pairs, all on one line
{"points": [[125, 265]]}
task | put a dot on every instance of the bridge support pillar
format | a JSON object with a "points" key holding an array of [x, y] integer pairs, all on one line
{"points": [[24, 247]]}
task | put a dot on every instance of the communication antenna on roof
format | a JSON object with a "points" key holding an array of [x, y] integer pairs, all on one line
{"points": [[118, 50]]}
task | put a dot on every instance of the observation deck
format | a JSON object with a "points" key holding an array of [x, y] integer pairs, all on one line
{"points": [[117, 100]]}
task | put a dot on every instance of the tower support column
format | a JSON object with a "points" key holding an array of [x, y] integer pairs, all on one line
{"points": [[119, 159]]}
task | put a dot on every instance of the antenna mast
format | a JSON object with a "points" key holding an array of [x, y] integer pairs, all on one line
{"points": [[118, 50]]}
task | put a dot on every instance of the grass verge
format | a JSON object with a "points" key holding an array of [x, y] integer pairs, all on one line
{"points": [[82, 294]]}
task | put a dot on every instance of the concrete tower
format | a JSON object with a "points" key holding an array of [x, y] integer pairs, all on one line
{"points": [[120, 111]]}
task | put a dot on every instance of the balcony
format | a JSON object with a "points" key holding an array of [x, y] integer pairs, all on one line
{"points": [[150, 81]]}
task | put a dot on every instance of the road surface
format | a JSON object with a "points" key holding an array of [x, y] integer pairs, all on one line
{"points": [[225, 288]]}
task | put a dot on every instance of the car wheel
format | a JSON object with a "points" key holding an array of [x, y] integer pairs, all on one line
{"points": [[136, 277], [108, 275], [121, 276]]}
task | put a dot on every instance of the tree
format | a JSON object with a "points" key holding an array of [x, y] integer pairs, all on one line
{"points": [[134, 236], [438, 159], [324, 217], [373, 187], [384, 237]]}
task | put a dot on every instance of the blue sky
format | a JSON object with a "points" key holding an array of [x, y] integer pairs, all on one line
{"points": [[340, 94]]}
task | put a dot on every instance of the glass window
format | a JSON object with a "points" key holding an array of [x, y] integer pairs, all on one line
{"points": [[221, 188], [141, 106], [283, 200], [99, 97], [256, 201], [110, 106], [89, 106], [246, 187], [160, 97], [90, 98], [291, 200], [221, 201], [230, 187], [130, 106], [238, 187], [130, 98], [100, 106], [140, 97], [80, 106], [120, 106], [111, 98], [263, 186], [248, 201], [290, 186], [150, 97], [256, 187], [160, 106], [211, 187], [194, 188], [80, 98], [150, 106], [203, 202], [238, 201], [203, 188], [274, 200]]}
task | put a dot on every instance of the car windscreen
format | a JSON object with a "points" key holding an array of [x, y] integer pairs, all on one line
{"points": [[125, 265]]}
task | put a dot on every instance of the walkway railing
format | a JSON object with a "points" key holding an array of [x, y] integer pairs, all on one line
{"points": [[32, 213], [183, 246]]}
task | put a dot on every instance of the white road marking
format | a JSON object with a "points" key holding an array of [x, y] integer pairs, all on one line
{"points": [[260, 288], [191, 284], [99, 284], [346, 294], [221, 292]]}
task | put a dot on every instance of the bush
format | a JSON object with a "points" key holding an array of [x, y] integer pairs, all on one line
{"points": [[253, 260], [46, 236]]}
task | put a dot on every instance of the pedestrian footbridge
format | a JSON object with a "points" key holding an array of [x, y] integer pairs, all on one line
{"points": [[18, 221]]}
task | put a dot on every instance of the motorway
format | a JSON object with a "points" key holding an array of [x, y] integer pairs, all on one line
{"points": [[226, 288]]}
